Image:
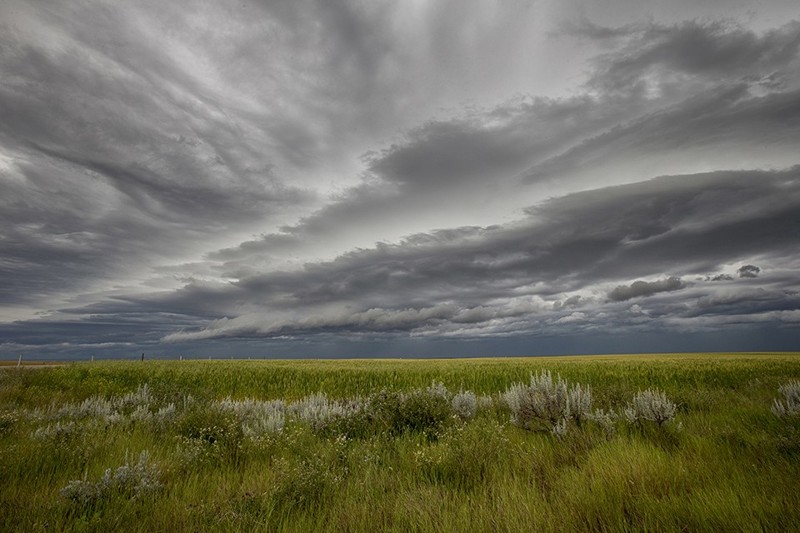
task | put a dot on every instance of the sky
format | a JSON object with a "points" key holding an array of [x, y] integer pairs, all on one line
{"points": [[336, 178]]}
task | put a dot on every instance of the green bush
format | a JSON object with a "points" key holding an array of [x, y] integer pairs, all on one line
{"points": [[209, 433]]}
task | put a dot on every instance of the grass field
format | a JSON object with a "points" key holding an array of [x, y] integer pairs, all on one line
{"points": [[397, 445]]}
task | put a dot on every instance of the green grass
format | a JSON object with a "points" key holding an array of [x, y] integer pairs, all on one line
{"points": [[725, 463]]}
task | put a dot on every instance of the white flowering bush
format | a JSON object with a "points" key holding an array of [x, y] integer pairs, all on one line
{"points": [[127, 481], [652, 405], [790, 405], [548, 402]]}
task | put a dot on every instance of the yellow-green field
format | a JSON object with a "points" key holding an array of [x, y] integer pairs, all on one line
{"points": [[385, 445]]}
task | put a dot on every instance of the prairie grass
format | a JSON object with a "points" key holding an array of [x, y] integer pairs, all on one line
{"points": [[399, 445]]}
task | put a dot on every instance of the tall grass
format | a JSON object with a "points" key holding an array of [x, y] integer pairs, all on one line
{"points": [[373, 445]]}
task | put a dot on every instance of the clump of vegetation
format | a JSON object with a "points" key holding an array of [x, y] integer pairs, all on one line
{"points": [[652, 405], [259, 418], [790, 406], [128, 481], [210, 434], [549, 403], [465, 405], [465, 456], [7, 422], [303, 484], [391, 413], [419, 411]]}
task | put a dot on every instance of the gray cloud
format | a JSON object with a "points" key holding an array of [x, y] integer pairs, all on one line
{"points": [[319, 171], [723, 117], [562, 248], [712, 50], [748, 271], [640, 288]]}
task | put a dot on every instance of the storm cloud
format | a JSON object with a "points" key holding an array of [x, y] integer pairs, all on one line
{"points": [[210, 178]]}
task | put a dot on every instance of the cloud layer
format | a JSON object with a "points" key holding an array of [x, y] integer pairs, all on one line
{"points": [[213, 178]]}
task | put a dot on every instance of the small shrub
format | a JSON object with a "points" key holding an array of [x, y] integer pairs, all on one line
{"points": [[484, 402], [790, 406], [465, 405], [438, 389], [393, 413], [422, 411], [128, 481], [579, 402], [465, 456], [211, 433], [547, 402], [58, 432], [141, 397], [318, 410], [7, 422], [652, 405], [560, 428], [303, 484], [606, 420], [259, 418]]}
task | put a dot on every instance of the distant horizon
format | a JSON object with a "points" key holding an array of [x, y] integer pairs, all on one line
{"points": [[32, 359]]}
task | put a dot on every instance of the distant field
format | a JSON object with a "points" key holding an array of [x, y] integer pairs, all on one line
{"points": [[30, 363], [399, 445]]}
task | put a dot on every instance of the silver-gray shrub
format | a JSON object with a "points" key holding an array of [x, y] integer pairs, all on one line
{"points": [[94, 406], [57, 432], [652, 405], [549, 402], [790, 405], [109, 410], [128, 481], [465, 405], [258, 417], [317, 409], [141, 397], [438, 389], [605, 419]]}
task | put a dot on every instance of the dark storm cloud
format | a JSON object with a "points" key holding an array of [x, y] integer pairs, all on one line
{"points": [[443, 163], [579, 242], [133, 146], [645, 288], [748, 271]]}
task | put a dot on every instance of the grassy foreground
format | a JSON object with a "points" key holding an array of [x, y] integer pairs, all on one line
{"points": [[315, 445]]}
